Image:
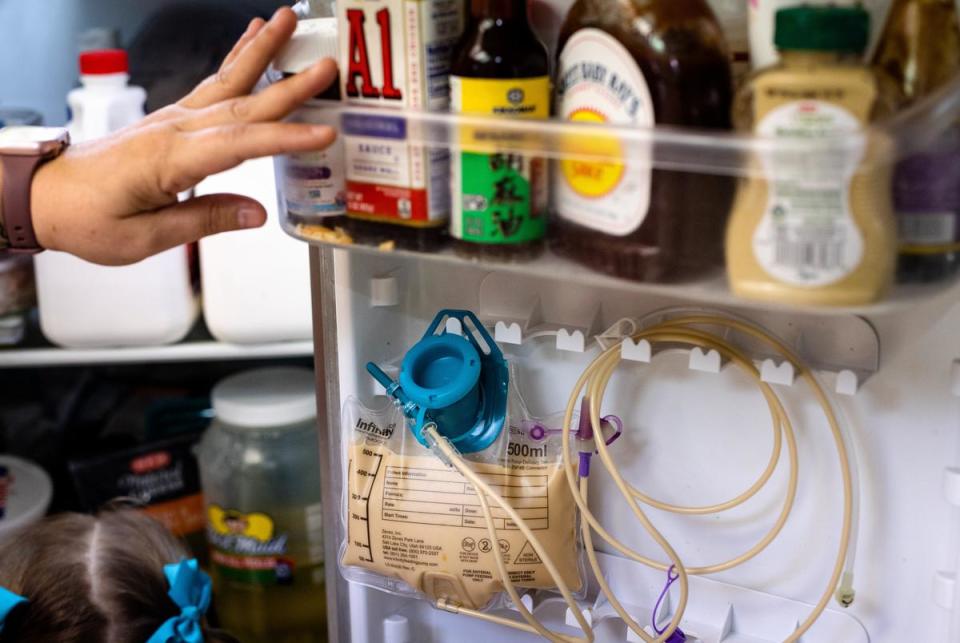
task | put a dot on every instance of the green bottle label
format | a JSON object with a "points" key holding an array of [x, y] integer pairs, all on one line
{"points": [[497, 197]]}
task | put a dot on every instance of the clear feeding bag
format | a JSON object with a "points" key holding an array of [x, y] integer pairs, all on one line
{"points": [[412, 523]]}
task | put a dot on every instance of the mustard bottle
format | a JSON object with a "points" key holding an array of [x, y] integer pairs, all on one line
{"points": [[815, 226]]}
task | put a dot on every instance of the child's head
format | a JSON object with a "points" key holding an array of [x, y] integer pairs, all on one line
{"points": [[89, 579]]}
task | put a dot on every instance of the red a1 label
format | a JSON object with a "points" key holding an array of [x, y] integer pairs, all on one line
{"points": [[359, 57]]}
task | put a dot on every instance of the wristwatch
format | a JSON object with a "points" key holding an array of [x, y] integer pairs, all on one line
{"points": [[22, 151]]}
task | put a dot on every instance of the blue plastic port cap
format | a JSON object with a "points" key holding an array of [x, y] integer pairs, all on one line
{"points": [[440, 371]]}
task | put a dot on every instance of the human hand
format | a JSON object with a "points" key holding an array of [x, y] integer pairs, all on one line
{"points": [[113, 201]]}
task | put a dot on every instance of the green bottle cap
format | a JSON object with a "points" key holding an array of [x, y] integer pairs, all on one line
{"points": [[822, 28]]}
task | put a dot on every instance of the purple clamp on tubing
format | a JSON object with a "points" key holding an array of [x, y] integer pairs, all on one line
{"points": [[678, 636], [585, 433], [612, 424]]}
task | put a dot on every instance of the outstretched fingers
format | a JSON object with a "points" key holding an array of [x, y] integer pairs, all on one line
{"points": [[217, 149], [187, 222], [243, 67], [272, 104]]}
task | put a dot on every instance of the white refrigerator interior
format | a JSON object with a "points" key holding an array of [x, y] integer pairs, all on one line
{"points": [[696, 432]]}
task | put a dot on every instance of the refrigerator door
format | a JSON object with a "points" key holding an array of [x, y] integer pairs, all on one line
{"points": [[696, 432]]}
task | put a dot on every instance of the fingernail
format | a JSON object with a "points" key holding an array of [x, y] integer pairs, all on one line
{"points": [[325, 132], [250, 218]]}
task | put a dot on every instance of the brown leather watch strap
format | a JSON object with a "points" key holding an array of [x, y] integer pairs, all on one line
{"points": [[17, 213]]}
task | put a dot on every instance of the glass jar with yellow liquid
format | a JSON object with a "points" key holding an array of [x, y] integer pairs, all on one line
{"points": [[259, 464]]}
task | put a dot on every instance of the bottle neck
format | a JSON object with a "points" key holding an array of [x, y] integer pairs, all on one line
{"points": [[809, 58], [306, 9], [512, 10], [103, 81]]}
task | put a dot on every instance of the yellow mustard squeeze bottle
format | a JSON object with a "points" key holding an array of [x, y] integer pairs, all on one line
{"points": [[818, 227]]}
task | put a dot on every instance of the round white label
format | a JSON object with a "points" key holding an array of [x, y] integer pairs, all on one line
{"points": [[808, 236], [598, 186]]}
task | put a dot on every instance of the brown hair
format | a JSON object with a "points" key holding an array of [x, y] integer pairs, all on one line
{"points": [[89, 579]]}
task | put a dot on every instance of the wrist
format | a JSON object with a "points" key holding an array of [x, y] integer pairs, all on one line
{"points": [[43, 193], [23, 150]]}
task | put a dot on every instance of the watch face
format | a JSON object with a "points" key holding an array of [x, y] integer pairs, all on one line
{"points": [[30, 141]]}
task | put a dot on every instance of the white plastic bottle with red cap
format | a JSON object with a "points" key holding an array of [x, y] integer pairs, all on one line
{"points": [[83, 305], [105, 102]]}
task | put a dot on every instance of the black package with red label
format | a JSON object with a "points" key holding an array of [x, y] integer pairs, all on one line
{"points": [[161, 478]]}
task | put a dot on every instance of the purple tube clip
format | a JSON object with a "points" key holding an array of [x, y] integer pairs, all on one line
{"points": [[617, 425], [583, 433], [585, 428], [584, 469], [678, 636]]}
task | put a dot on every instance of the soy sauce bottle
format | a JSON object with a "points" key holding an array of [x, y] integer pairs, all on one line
{"points": [[500, 68]]}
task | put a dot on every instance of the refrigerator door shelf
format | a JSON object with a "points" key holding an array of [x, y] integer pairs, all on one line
{"points": [[669, 149]]}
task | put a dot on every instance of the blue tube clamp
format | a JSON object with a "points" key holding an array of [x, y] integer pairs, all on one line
{"points": [[458, 382]]}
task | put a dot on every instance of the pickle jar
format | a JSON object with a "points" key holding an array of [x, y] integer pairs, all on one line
{"points": [[259, 465]]}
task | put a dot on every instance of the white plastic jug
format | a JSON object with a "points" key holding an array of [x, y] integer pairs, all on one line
{"points": [[256, 283], [83, 305]]}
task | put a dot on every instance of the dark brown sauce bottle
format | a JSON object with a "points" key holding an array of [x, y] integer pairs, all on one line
{"points": [[389, 236], [500, 68], [640, 63]]}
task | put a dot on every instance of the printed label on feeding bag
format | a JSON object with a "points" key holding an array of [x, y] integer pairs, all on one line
{"points": [[415, 519]]}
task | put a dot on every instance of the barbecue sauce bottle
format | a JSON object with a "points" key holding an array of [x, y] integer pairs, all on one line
{"points": [[641, 63], [500, 68]]}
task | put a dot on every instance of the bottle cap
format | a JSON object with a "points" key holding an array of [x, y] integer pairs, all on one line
{"points": [[266, 398], [313, 40], [440, 371], [456, 380], [103, 61], [822, 28]]}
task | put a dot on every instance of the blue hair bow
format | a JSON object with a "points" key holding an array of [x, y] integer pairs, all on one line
{"points": [[8, 601], [190, 589]]}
